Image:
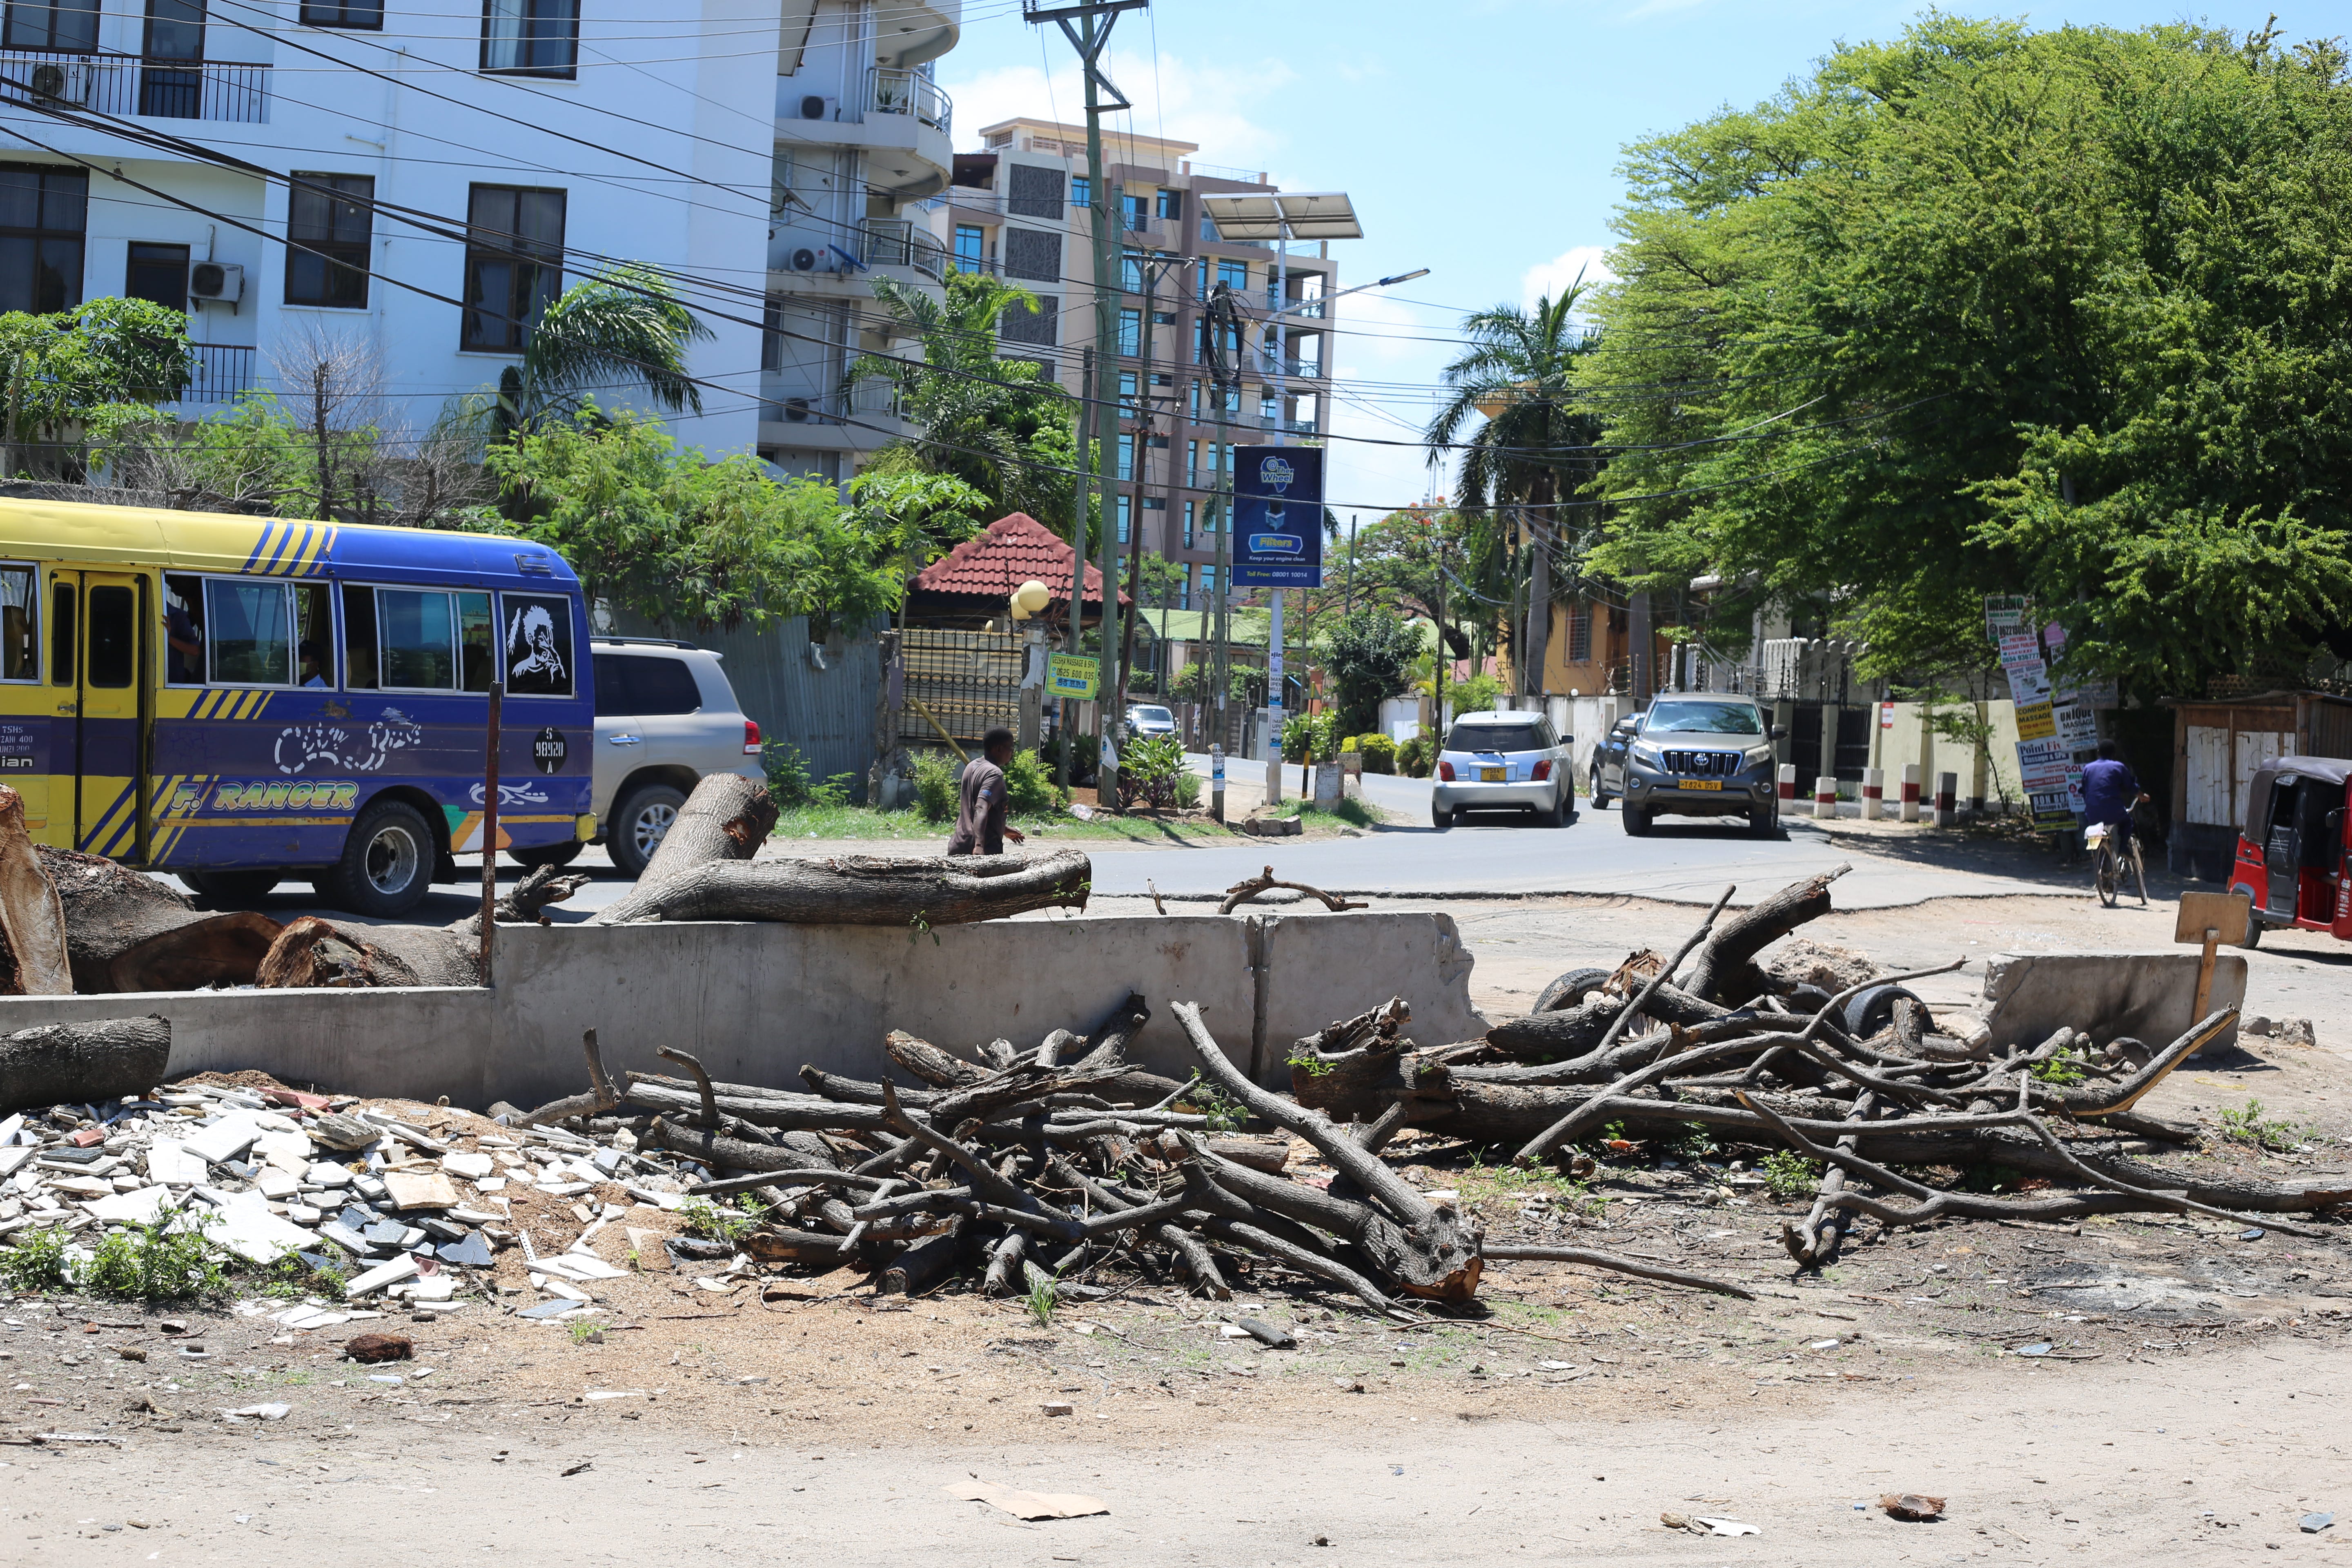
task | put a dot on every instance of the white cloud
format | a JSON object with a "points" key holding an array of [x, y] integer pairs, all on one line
{"points": [[1212, 105], [1554, 277]]}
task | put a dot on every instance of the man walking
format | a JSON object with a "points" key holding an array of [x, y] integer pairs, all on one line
{"points": [[979, 819]]}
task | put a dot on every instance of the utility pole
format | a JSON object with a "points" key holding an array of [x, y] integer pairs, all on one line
{"points": [[1150, 268], [1224, 376], [1077, 561]]}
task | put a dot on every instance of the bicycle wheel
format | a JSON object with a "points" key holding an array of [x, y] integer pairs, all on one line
{"points": [[2106, 878], [2139, 872]]}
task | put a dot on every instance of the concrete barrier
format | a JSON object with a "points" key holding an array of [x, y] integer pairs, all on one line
{"points": [[756, 1002], [2147, 995]]}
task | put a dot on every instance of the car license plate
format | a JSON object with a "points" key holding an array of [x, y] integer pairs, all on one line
{"points": [[1698, 783], [1490, 775]]}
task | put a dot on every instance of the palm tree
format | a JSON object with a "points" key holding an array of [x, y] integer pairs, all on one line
{"points": [[623, 326], [1535, 446], [977, 415]]}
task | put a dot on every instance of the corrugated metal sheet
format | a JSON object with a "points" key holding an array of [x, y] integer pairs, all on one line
{"points": [[827, 714]]}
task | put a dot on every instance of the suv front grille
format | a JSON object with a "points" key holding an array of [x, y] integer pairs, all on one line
{"points": [[1704, 764]]}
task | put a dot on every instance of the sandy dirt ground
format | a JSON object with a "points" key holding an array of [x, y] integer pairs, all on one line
{"points": [[2133, 1389]]}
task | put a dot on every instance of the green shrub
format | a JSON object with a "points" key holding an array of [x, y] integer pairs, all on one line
{"points": [[1301, 730], [1149, 772], [721, 1222], [1189, 786], [37, 1262], [789, 784], [1789, 1175], [1379, 752], [163, 1260], [936, 793], [1413, 758], [1083, 756], [1029, 787]]}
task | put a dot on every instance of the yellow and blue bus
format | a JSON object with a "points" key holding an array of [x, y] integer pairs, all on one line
{"points": [[242, 699]]}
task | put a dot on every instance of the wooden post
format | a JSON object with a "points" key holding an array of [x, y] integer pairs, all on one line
{"points": [[2211, 918], [2205, 971], [490, 830]]}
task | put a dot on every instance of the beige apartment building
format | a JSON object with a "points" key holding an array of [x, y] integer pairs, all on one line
{"points": [[1019, 208]]}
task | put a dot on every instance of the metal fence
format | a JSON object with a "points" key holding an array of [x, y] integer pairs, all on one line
{"points": [[820, 698], [959, 684], [127, 85]]}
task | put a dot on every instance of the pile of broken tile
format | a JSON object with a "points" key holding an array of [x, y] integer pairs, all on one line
{"points": [[413, 1208]]}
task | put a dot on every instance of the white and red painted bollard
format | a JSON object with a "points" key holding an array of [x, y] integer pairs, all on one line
{"points": [[1910, 806], [1948, 800], [1825, 795], [1788, 780], [1874, 794]]}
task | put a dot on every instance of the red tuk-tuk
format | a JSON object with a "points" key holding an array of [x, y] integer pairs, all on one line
{"points": [[2294, 848]]}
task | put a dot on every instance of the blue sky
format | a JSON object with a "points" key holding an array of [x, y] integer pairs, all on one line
{"points": [[1479, 138]]}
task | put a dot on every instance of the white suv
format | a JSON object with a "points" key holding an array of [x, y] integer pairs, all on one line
{"points": [[664, 716]]}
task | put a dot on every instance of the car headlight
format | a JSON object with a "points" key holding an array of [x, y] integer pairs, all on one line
{"points": [[1648, 756], [1757, 757]]}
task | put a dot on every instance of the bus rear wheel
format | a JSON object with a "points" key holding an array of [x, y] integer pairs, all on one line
{"points": [[387, 864], [229, 890]]}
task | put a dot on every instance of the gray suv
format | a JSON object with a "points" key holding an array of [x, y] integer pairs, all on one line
{"points": [[665, 716], [1703, 755]]}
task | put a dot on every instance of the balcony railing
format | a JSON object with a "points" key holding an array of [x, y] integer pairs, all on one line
{"points": [[127, 85], [1310, 369], [908, 92], [897, 242], [222, 370]]}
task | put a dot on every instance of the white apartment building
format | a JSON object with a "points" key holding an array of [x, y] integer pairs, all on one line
{"points": [[442, 169], [1020, 207]]}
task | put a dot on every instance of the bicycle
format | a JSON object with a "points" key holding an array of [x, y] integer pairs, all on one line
{"points": [[2108, 863]]}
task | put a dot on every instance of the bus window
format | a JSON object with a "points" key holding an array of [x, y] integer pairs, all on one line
{"points": [[252, 643], [113, 634], [183, 631], [359, 639], [314, 631], [538, 645], [476, 642], [20, 642], [61, 632], [419, 639]]}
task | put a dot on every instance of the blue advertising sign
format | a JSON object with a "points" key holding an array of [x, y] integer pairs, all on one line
{"points": [[1278, 516]]}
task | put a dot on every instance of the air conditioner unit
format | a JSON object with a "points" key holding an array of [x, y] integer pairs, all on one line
{"points": [[796, 410], [217, 281], [803, 259], [815, 108], [65, 81]]}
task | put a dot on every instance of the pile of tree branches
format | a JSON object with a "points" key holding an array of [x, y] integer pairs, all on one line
{"points": [[1858, 1080]]}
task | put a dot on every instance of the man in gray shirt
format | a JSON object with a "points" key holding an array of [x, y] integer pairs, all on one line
{"points": [[980, 820]]}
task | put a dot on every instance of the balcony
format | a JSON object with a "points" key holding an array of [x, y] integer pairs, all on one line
{"points": [[222, 370], [127, 85], [1306, 369], [910, 92], [897, 242]]}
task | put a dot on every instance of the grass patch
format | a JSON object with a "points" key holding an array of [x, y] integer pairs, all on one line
{"points": [[156, 1262], [1789, 1175], [721, 1222], [842, 821], [1482, 1182], [1354, 813], [2247, 1125]]}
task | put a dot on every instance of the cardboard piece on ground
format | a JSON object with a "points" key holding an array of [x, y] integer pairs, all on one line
{"points": [[420, 1190], [1027, 1505], [2226, 913]]}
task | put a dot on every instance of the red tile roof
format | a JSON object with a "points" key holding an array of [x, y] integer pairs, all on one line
{"points": [[1010, 551]]}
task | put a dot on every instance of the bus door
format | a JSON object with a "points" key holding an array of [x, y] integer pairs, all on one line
{"points": [[97, 670]]}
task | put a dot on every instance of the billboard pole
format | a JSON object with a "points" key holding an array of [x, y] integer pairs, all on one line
{"points": [[1270, 344]]}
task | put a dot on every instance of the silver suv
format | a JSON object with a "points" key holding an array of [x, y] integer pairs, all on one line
{"points": [[1507, 761], [664, 716], [1703, 755]]}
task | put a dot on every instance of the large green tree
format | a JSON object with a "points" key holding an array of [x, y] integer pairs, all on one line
{"points": [[1986, 310]]}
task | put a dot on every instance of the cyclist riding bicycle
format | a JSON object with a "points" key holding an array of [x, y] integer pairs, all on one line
{"points": [[2109, 792]]}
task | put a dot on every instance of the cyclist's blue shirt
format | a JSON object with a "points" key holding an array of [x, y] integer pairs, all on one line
{"points": [[2108, 791]]}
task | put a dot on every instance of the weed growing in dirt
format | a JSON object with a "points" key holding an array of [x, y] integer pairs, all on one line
{"points": [[169, 1258], [1226, 1114], [721, 1222], [1789, 1175], [2247, 1125], [290, 1277], [1483, 1181], [38, 1262], [584, 1332], [2064, 1068], [1045, 1295], [1309, 1063]]}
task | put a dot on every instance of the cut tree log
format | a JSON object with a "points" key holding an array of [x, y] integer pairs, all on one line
{"points": [[1436, 1250], [126, 930], [725, 819], [914, 893], [1726, 973], [29, 911], [80, 1064], [312, 952]]}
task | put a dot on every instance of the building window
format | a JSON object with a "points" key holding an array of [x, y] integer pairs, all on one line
{"points": [[1155, 503], [68, 25], [1137, 213], [1125, 515], [1234, 275], [1082, 192], [342, 14], [157, 273], [1033, 254], [1190, 511], [514, 264], [1131, 272], [531, 37], [1131, 332], [971, 247], [1579, 633], [1171, 205], [327, 227], [1125, 461], [43, 210], [1209, 586]]}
